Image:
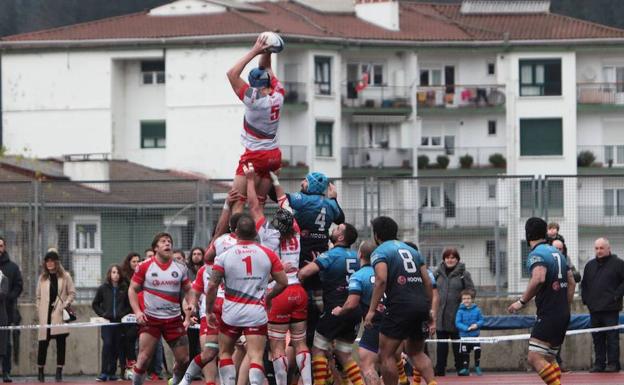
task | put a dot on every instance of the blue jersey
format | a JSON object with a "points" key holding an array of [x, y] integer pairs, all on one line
{"points": [[336, 266], [362, 283], [404, 286], [315, 214], [553, 294]]}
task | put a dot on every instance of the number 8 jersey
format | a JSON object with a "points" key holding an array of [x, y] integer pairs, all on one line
{"points": [[246, 268], [405, 287], [552, 296]]}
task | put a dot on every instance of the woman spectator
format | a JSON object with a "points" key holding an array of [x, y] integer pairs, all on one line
{"points": [[55, 292], [194, 261], [451, 278], [129, 331], [111, 302]]}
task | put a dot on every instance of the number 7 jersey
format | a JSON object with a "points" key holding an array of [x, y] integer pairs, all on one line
{"points": [[553, 294]]}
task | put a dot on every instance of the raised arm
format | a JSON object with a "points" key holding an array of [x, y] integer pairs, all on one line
{"points": [[234, 73], [265, 62], [255, 210], [222, 225], [282, 199]]}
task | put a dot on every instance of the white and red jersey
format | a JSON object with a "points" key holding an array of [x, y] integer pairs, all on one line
{"points": [[220, 246], [262, 115], [201, 286], [288, 250], [246, 269], [162, 285]]}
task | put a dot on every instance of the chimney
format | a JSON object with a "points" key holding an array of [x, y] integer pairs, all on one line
{"points": [[88, 167], [382, 13]]}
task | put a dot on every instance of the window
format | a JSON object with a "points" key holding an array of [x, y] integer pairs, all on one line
{"points": [[491, 127], [449, 144], [491, 188], [540, 77], [85, 234], [324, 138], [153, 72], [491, 68], [615, 77], [524, 252], [153, 134], [378, 136], [613, 202], [375, 73], [490, 251], [431, 77], [614, 154], [440, 195], [552, 198], [541, 137], [322, 75], [431, 254]]}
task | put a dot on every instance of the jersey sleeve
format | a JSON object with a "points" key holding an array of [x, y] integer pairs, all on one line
{"points": [[355, 285], [269, 236], [198, 284], [296, 200], [254, 99], [378, 256], [325, 260], [276, 264], [535, 259], [432, 278], [277, 86], [418, 259], [219, 263], [243, 91], [139, 274]]}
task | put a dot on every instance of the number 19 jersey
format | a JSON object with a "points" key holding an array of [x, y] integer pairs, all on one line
{"points": [[246, 268]]}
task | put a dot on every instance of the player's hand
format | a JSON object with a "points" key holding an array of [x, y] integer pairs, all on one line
{"points": [[336, 311], [368, 320], [332, 193], [431, 325], [260, 45], [515, 307], [249, 171], [211, 320], [234, 196], [141, 318]]}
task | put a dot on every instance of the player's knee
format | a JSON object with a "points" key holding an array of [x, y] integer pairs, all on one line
{"points": [[344, 347], [321, 342]]}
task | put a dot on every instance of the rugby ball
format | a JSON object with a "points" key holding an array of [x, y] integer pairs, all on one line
{"points": [[275, 42]]}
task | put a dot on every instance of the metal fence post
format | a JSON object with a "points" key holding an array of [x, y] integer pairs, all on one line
{"points": [[499, 280], [365, 191]]}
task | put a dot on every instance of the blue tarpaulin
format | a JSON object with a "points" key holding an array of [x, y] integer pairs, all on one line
{"points": [[577, 321]]}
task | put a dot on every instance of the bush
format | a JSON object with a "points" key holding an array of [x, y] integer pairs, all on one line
{"points": [[585, 159], [423, 161], [466, 161], [498, 160], [443, 161]]}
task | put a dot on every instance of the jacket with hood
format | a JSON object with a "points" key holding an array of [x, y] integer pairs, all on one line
{"points": [[467, 316], [450, 287], [16, 285]]}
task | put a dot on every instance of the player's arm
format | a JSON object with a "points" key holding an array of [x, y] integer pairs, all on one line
{"points": [[308, 270], [381, 276], [255, 210], [133, 297], [265, 62], [538, 277], [222, 225], [571, 286], [234, 73], [280, 194], [281, 281], [427, 282], [352, 303], [332, 193], [216, 276]]}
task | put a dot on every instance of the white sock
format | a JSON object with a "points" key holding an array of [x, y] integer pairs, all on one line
{"points": [[191, 372], [280, 367], [138, 378], [177, 377], [256, 375], [227, 373], [304, 362]]}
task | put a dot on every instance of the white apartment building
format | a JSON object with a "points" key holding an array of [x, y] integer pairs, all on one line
{"points": [[459, 82]]}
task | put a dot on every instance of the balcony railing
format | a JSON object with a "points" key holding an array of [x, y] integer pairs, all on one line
{"points": [[480, 155], [295, 93], [356, 157], [600, 93], [460, 96], [294, 156], [608, 155], [601, 215], [384, 97], [449, 217]]}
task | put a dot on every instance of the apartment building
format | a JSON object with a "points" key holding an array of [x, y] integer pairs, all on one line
{"points": [[479, 100]]}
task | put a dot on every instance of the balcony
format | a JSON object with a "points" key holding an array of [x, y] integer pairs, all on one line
{"points": [[465, 160], [604, 159], [294, 161], [358, 161], [383, 104], [465, 221], [600, 97], [296, 96], [460, 99]]}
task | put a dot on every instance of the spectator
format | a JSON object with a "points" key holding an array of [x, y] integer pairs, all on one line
{"points": [[55, 292], [451, 278], [469, 322], [111, 302], [12, 273], [179, 256], [602, 289], [552, 232], [148, 253], [194, 262], [130, 330]]}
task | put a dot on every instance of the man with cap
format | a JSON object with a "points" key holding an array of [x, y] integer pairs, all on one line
{"points": [[552, 285], [263, 97]]}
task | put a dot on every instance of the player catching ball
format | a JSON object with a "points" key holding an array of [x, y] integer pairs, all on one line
{"points": [[263, 97]]}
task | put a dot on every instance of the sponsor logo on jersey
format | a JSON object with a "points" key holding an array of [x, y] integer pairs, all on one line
{"points": [[157, 282], [414, 279], [175, 274], [154, 274], [401, 280]]}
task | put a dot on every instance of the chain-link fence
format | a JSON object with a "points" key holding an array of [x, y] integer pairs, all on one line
{"points": [[94, 224]]}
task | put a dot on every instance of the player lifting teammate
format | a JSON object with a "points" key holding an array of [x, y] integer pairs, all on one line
{"points": [[401, 274], [263, 98], [161, 279], [552, 284], [289, 310], [245, 268]]}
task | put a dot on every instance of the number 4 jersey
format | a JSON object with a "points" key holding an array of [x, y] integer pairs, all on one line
{"points": [[552, 296]]}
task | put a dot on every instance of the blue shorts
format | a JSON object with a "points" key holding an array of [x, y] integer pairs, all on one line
{"points": [[370, 338]]}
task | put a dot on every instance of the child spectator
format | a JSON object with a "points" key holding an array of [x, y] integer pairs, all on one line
{"points": [[469, 321]]}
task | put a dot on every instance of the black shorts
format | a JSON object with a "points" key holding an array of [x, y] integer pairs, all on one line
{"points": [[370, 338], [551, 328], [344, 328], [405, 323]]}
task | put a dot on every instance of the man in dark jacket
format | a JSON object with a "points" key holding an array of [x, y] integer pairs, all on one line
{"points": [[602, 289], [12, 273]]}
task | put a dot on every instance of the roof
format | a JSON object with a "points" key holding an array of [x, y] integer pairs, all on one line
{"points": [[419, 23], [130, 184]]}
